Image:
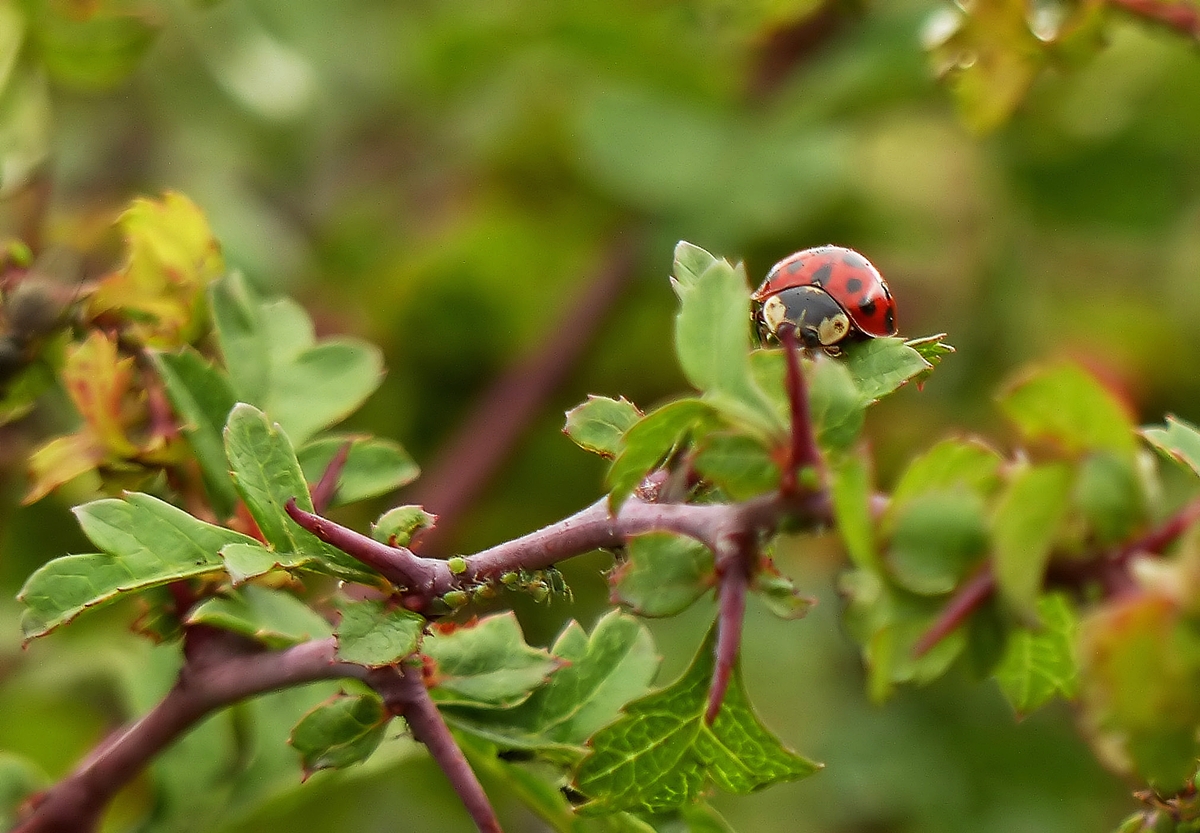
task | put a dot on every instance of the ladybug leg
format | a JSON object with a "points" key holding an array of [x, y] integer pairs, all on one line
{"points": [[832, 350]]}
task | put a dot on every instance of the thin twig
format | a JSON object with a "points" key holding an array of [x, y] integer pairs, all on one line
{"points": [[397, 564], [733, 568], [326, 488], [969, 598], [1111, 571], [407, 695], [590, 529], [1161, 537], [803, 450]]}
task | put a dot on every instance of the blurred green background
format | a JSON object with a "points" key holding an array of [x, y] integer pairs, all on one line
{"points": [[444, 177]]}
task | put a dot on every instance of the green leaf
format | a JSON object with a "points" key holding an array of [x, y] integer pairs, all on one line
{"points": [[932, 349], [712, 340], [374, 466], [1065, 405], [881, 365], [660, 754], [246, 561], [599, 675], [835, 405], [397, 526], [888, 621], [1026, 520], [94, 51], [950, 465], [939, 537], [691, 818], [1039, 664], [663, 574], [487, 664], [650, 440], [1109, 493], [202, 396], [370, 633], [598, 424], [19, 780], [242, 337], [143, 530], [323, 385], [540, 794], [850, 492], [340, 732], [780, 594], [737, 464], [267, 475], [276, 364], [1179, 441], [690, 263], [273, 617], [146, 542]]}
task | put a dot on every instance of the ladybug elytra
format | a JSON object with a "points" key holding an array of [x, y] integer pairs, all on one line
{"points": [[828, 295]]}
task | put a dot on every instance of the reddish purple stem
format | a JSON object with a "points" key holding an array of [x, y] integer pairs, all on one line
{"points": [[326, 488], [408, 695], [803, 450], [76, 803], [1157, 540], [969, 598], [734, 581], [397, 564]]}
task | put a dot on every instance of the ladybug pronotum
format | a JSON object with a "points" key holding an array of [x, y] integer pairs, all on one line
{"points": [[828, 296]]}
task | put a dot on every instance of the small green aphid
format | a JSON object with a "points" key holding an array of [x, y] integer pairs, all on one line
{"points": [[539, 590], [456, 598], [510, 579], [458, 566]]}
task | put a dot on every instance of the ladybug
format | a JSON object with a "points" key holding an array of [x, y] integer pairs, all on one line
{"points": [[828, 295]]}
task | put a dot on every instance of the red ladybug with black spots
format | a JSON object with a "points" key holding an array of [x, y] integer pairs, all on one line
{"points": [[829, 296]]}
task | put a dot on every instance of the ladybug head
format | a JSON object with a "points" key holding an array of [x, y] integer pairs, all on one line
{"points": [[816, 319]]}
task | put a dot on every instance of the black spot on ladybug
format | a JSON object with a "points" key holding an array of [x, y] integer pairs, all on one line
{"points": [[822, 274], [854, 285], [867, 307], [794, 267], [890, 320]]}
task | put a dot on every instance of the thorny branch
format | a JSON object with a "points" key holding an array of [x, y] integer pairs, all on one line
{"points": [[205, 684], [425, 579], [214, 679]]}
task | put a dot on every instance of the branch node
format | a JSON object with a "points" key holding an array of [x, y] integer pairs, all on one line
{"points": [[397, 564]]}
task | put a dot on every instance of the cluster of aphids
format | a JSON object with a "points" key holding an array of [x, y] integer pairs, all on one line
{"points": [[540, 584]]}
